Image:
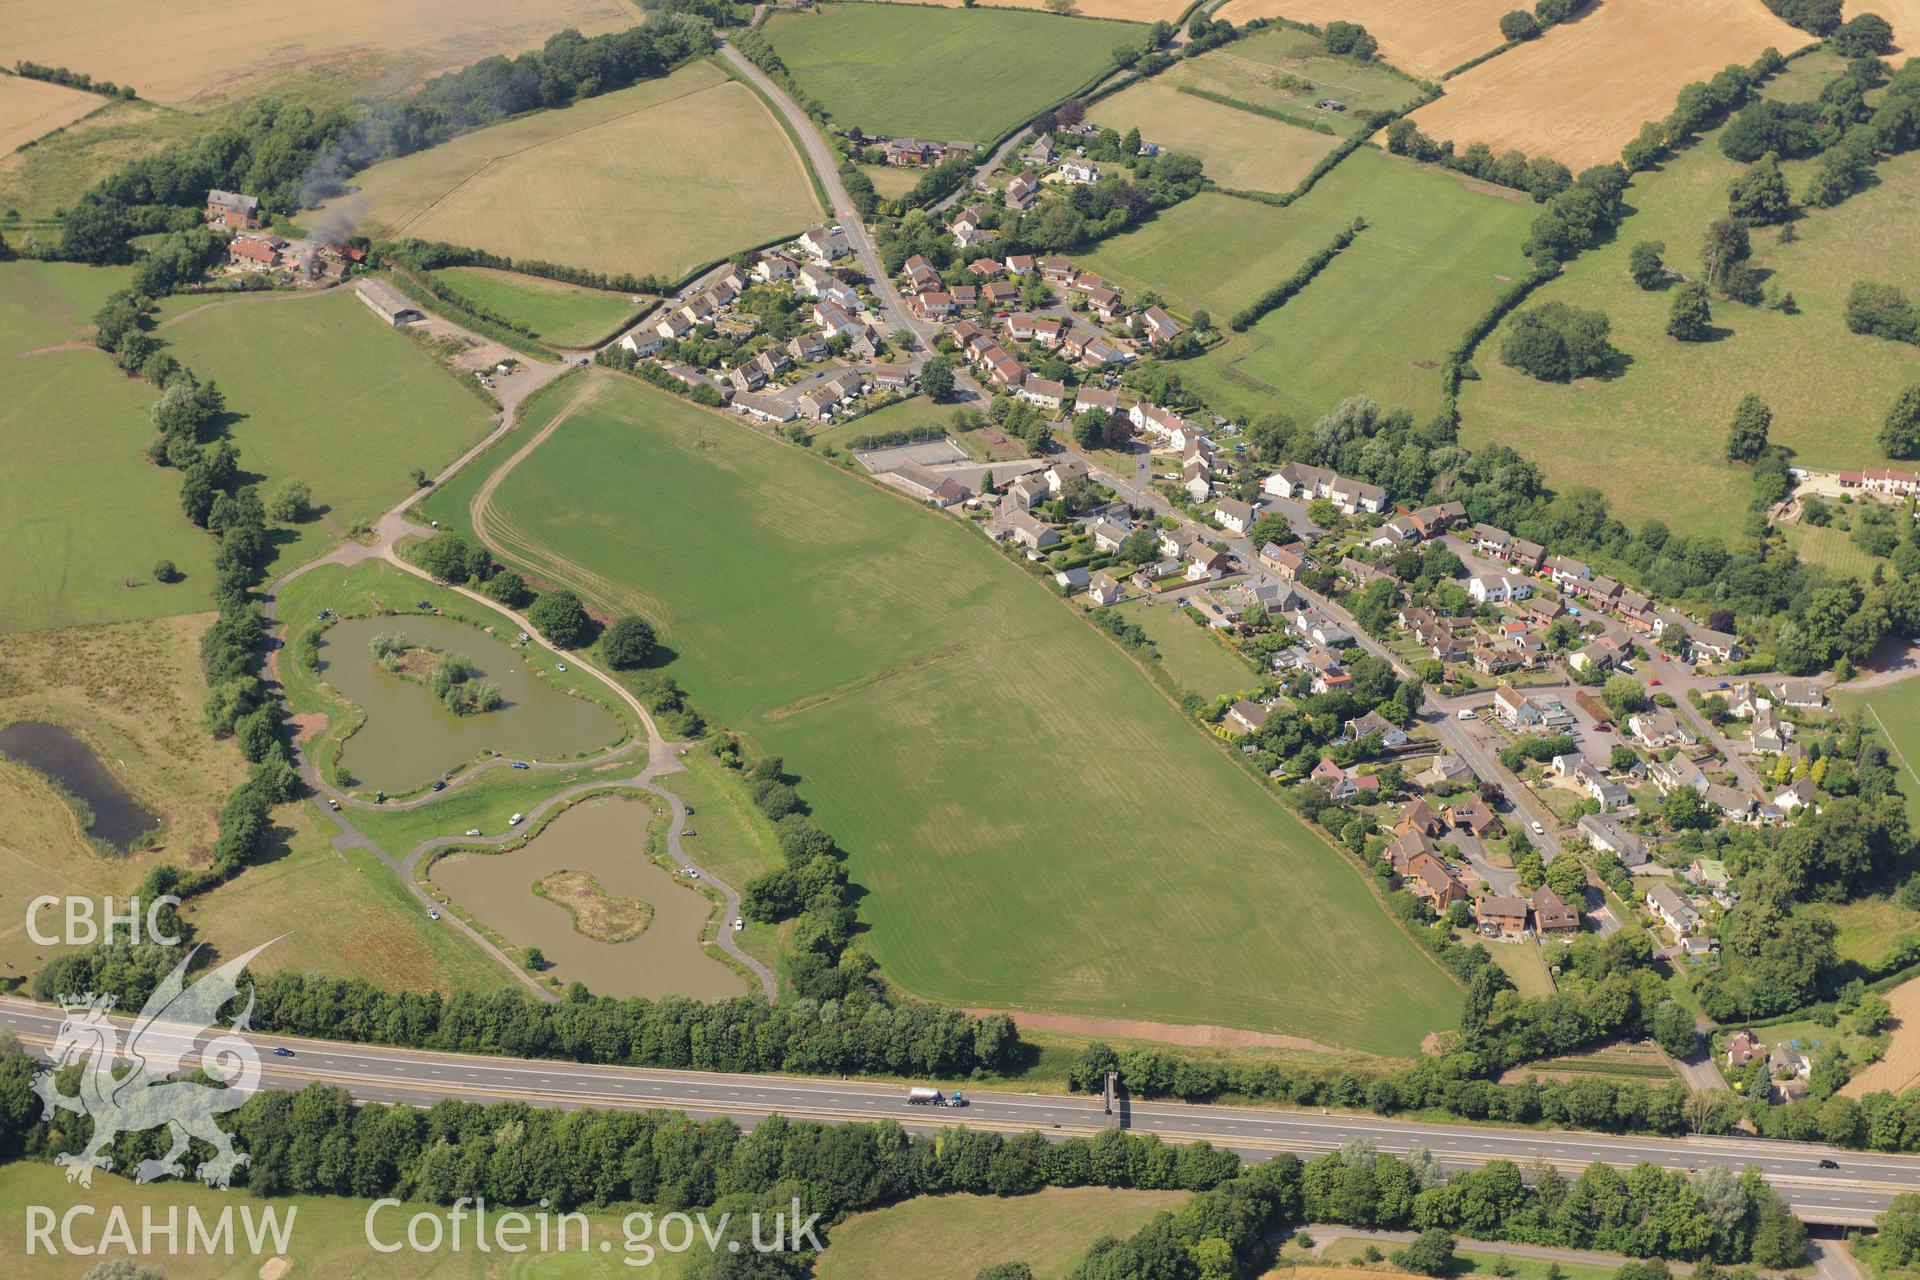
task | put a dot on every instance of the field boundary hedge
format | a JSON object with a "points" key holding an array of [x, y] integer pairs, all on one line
{"points": [[1271, 113], [1278, 296]]}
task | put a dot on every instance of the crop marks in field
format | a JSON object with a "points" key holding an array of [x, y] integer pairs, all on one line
{"points": [[1007, 789], [1581, 91], [653, 180]]}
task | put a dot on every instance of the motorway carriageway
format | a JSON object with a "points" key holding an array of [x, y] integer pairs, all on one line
{"points": [[1850, 1194]]}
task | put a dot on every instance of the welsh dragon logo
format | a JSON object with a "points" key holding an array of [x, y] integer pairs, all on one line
{"points": [[145, 1096]]}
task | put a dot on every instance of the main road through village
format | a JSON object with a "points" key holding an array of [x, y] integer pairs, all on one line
{"points": [[1852, 1193]]}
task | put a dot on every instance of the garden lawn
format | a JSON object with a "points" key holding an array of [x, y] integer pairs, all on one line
{"points": [[327, 394], [82, 511], [657, 179], [1035, 824], [1652, 438], [874, 65], [1378, 320], [1241, 149], [561, 315], [328, 1235], [1893, 710], [1266, 69], [1192, 654], [1049, 1230], [1834, 549]]}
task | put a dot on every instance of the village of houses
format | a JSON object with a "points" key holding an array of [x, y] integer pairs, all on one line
{"points": [[1523, 650]]}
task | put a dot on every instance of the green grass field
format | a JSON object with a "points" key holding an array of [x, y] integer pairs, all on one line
{"points": [[1264, 68], [81, 509], [1193, 655], [1894, 711], [653, 180], [1378, 320], [1652, 437], [559, 314], [1241, 149], [868, 64], [331, 396], [327, 1237], [1213, 252], [1049, 1230], [1036, 825], [1870, 928]]}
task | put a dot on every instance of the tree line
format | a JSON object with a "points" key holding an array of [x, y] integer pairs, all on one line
{"points": [[72, 80], [318, 1141]]}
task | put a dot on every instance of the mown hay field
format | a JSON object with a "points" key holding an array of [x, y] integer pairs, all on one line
{"points": [[32, 109], [653, 180], [1036, 825], [560, 314], [1290, 71], [1378, 320], [1653, 437], [1049, 1230], [188, 51], [874, 65], [1425, 37], [1241, 149], [1582, 91]]}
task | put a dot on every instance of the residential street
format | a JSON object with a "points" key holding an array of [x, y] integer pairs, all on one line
{"points": [[1438, 714]]}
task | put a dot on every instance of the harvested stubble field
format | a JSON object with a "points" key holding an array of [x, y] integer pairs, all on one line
{"points": [[1425, 37], [32, 109], [652, 180], [868, 64], [192, 51], [1671, 400], [981, 752], [1581, 91], [1241, 149], [1899, 1068], [1266, 69]]}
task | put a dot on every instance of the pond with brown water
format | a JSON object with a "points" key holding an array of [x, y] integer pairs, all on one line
{"points": [[606, 837], [410, 737]]}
